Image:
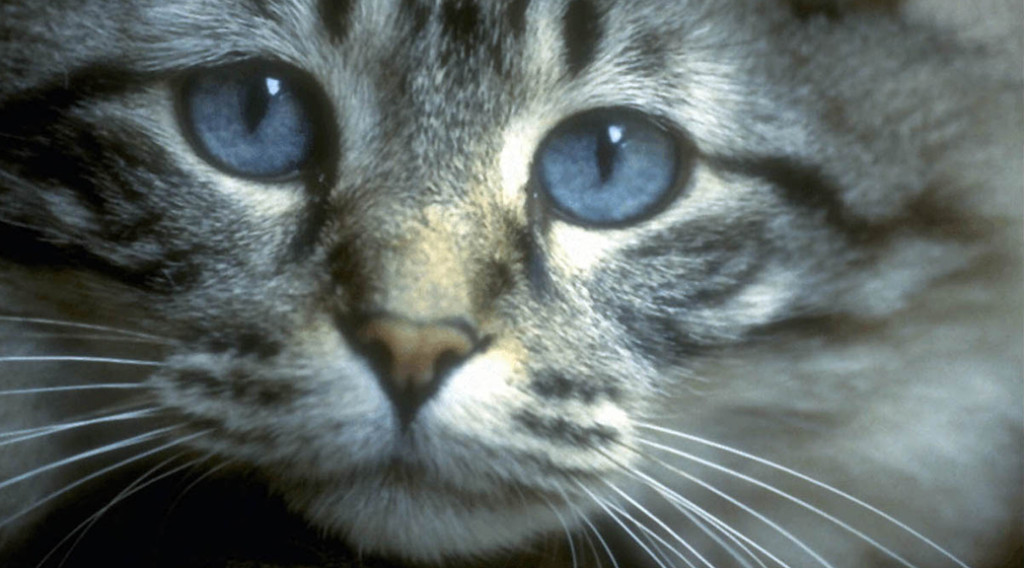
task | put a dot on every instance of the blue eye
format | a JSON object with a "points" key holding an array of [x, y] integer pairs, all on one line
{"points": [[251, 120], [610, 167]]}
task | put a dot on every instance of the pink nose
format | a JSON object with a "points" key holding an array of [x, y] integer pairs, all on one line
{"points": [[411, 359]]}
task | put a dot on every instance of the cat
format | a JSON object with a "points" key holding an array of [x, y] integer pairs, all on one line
{"points": [[558, 282]]}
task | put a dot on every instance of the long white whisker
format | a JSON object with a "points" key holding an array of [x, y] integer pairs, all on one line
{"points": [[597, 533], [99, 473], [591, 545], [79, 359], [650, 536], [660, 523], [86, 336], [686, 513], [764, 519], [804, 477], [659, 548], [76, 388], [32, 433], [198, 480], [710, 530], [85, 455], [91, 520], [565, 527], [606, 507], [77, 325], [784, 495], [133, 488], [683, 505]]}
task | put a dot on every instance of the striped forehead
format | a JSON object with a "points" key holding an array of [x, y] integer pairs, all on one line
{"points": [[464, 29]]}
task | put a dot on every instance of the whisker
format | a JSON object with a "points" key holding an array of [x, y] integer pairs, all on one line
{"points": [[685, 505], [91, 520], [78, 359], [71, 486], [84, 336], [597, 533], [78, 325], [787, 496], [659, 549], [759, 516], [32, 433], [804, 477], [592, 547], [133, 488], [687, 508], [710, 530], [605, 506], [74, 388], [206, 474], [565, 527], [653, 538], [659, 522], [85, 455]]}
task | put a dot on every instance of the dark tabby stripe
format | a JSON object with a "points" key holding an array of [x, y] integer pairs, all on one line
{"points": [[461, 24], [467, 31], [833, 9], [516, 16], [558, 386], [416, 12], [105, 168], [658, 337], [558, 429], [583, 32], [242, 342], [650, 54], [535, 263], [336, 15], [243, 389], [348, 270], [166, 273], [804, 186]]}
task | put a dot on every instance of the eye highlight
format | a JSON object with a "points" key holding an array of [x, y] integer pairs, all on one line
{"points": [[609, 167], [252, 120]]}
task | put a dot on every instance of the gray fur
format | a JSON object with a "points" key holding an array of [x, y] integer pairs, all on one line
{"points": [[838, 289]]}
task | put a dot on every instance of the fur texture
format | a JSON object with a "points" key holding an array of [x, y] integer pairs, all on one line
{"points": [[836, 288]]}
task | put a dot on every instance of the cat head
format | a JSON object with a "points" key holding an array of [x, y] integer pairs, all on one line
{"points": [[427, 264]]}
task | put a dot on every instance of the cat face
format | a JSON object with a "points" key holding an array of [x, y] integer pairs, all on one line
{"points": [[427, 266], [429, 208]]}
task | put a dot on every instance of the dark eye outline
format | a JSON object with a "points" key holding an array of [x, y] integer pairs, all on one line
{"points": [[304, 86], [685, 154]]}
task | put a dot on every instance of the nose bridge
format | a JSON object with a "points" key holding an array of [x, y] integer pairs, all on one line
{"points": [[424, 271], [421, 325]]}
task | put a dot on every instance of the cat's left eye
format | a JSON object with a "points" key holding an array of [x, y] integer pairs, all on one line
{"points": [[611, 167], [251, 120]]}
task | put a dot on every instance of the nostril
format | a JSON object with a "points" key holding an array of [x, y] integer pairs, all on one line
{"points": [[412, 359], [378, 355], [447, 361]]}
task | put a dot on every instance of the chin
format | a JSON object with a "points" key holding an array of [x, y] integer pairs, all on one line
{"points": [[401, 518]]}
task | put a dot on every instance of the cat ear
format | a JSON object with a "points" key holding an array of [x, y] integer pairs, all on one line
{"points": [[838, 8]]}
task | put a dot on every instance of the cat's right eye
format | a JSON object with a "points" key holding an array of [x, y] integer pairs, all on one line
{"points": [[252, 120]]}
